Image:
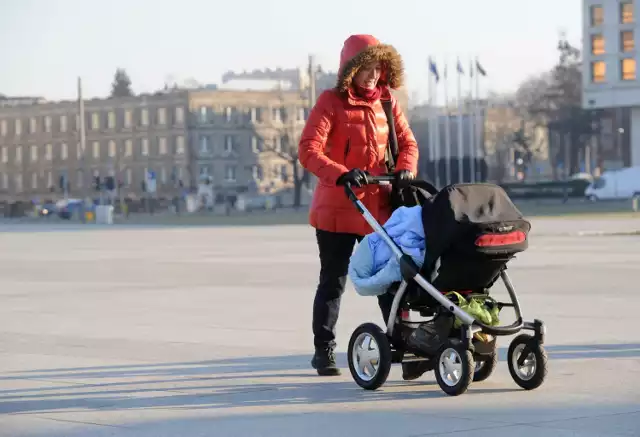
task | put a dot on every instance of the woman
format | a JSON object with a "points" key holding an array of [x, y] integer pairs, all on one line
{"points": [[345, 137]]}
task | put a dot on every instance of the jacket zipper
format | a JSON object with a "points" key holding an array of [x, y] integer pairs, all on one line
{"points": [[346, 150]]}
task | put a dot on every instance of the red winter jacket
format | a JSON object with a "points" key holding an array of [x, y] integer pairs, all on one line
{"points": [[345, 132]]}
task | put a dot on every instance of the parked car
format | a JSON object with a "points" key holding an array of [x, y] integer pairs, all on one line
{"points": [[615, 185], [67, 208], [46, 209]]}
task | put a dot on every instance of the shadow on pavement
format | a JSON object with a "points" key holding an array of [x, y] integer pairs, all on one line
{"points": [[219, 396], [287, 362], [228, 383]]}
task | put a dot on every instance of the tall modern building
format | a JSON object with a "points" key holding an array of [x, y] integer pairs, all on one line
{"points": [[610, 58]]}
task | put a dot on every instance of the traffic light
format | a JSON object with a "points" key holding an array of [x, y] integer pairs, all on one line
{"points": [[96, 183]]}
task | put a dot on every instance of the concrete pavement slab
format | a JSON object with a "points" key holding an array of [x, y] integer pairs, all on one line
{"points": [[206, 331]]}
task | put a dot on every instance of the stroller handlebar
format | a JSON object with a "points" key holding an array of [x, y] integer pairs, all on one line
{"points": [[387, 179], [371, 180]]}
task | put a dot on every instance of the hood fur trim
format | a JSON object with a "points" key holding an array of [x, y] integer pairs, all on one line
{"points": [[393, 73]]}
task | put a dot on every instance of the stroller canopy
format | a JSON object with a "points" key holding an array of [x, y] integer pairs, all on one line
{"points": [[461, 211]]}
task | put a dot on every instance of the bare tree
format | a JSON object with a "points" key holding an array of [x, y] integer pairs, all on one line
{"points": [[290, 133], [502, 121], [553, 100]]}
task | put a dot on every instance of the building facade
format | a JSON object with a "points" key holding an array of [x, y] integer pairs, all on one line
{"points": [[240, 140], [610, 80], [245, 141], [41, 153]]}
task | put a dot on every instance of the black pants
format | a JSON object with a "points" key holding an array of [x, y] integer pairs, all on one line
{"points": [[335, 251]]}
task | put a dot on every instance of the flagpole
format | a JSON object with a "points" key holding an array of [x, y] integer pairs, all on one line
{"points": [[429, 123], [434, 137], [460, 147], [472, 129], [479, 124], [447, 134], [437, 130]]}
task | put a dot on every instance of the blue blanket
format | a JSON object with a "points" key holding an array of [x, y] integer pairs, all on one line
{"points": [[373, 266]]}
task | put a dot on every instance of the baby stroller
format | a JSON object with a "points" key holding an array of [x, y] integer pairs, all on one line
{"points": [[472, 231]]}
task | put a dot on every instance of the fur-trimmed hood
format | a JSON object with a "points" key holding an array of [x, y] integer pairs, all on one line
{"points": [[359, 50]]}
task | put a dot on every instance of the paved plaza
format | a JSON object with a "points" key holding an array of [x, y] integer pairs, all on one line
{"points": [[206, 331]]}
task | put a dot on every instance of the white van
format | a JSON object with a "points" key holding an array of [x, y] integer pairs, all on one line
{"points": [[615, 185]]}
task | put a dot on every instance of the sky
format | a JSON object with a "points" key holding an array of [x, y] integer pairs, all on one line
{"points": [[46, 44]]}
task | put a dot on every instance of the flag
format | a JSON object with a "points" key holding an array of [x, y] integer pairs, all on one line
{"points": [[480, 69], [460, 70], [434, 69]]}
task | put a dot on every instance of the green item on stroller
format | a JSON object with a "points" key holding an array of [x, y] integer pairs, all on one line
{"points": [[480, 306]]}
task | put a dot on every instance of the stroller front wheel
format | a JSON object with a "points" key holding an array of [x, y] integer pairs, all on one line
{"points": [[527, 362], [369, 356], [454, 369]]}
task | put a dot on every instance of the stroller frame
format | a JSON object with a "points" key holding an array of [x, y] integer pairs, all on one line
{"points": [[527, 358]]}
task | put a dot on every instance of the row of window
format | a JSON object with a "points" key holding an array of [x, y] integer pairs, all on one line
{"points": [[162, 144], [113, 119], [627, 42], [627, 70], [207, 144], [254, 115], [625, 14], [95, 121], [281, 171], [258, 172]]}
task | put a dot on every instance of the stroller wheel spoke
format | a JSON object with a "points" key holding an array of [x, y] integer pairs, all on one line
{"points": [[370, 368], [366, 343], [367, 356]]}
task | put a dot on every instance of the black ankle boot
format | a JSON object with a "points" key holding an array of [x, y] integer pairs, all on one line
{"points": [[324, 361]]}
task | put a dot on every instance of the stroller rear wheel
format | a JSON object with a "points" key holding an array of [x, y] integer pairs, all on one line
{"points": [[527, 362], [484, 369], [454, 369], [369, 356]]}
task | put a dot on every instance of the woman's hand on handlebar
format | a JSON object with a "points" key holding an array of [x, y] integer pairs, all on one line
{"points": [[403, 178], [354, 177]]}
